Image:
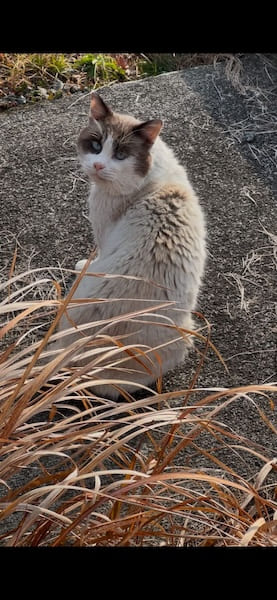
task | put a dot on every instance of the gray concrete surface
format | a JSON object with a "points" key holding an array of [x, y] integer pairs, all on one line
{"points": [[226, 135]]}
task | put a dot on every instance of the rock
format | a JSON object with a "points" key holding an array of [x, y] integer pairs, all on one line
{"points": [[58, 85], [7, 102], [42, 92], [21, 100], [11, 97], [248, 137], [4, 105], [74, 88]]}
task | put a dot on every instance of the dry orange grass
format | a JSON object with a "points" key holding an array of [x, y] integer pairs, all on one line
{"points": [[77, 469]]}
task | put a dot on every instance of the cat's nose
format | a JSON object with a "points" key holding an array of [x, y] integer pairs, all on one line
{"points": [[98, 166]]}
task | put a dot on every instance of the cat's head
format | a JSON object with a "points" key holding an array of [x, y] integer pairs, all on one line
{"points": [[115, 149]]}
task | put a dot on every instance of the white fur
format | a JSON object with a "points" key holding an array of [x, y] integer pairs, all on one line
{"points": [[80, 264], [118, 176], [150, 227], [104, 202]]}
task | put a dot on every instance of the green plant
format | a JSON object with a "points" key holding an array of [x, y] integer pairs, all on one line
{"points": [[24, 73], [53, 63], [156, 64], [100, 67]]}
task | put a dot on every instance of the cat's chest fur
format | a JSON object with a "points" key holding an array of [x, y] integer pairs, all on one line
{"points": [[104, 212]]}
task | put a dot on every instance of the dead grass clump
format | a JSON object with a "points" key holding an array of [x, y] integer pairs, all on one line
{"points": [[29, 78], [79, 469]]}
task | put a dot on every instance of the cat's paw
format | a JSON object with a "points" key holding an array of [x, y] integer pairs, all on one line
{"points": [[79, 265]]}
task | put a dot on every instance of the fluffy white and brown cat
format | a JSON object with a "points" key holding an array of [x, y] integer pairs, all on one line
{"points": [[147, 224]]}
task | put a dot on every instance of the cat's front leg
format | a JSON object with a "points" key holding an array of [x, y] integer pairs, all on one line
{"points": [[80, 264]]}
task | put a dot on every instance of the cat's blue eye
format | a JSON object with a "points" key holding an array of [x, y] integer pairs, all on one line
{"points": [[120, 154], [96, 146]]}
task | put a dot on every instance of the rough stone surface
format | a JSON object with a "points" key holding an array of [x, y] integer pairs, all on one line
{"points": [[226, 136]]}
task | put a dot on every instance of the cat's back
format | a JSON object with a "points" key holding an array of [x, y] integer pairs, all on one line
{"points": [[167, 223]]}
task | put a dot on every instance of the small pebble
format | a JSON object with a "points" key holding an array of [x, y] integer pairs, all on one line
{"points": [[248, 137], [11, 98], [74, 88], [58, 85], [21, 100], [42, 92], [6, 103]]}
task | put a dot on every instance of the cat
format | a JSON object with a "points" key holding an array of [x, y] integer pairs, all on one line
{"points": [[147, 224]]}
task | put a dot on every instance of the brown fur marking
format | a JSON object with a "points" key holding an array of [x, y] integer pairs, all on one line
{"points": [[121, 128]]}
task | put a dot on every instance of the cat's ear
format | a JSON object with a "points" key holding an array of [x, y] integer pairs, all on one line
{"points": [[98, 109], [149, 130]]}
